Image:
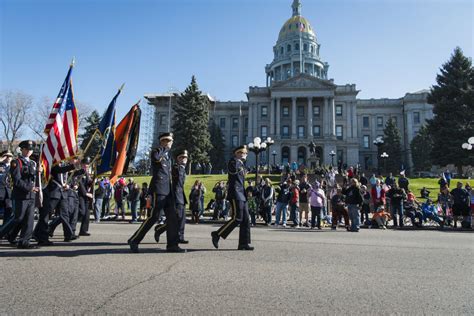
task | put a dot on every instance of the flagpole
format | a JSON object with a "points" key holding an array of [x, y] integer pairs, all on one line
{"points": [[40, 171]]}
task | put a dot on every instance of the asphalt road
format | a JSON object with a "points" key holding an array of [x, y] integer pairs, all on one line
{"points": [[290, 272]]}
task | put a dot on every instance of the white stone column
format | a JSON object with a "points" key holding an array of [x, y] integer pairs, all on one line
{"points": [[310, 118], [256, 131], [347, 109], [250, 124], [292, 69], [332, 120], [326, 117], [271, 130], [354, 119], [278, 117], [293, 118]]}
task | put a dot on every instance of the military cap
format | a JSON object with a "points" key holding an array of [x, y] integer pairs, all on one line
{"points": [[182, 153], [242, 148], [86, 160], [168, 136], [27, 144]]}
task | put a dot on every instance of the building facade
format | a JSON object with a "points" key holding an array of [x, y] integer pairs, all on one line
{"points": [[300, 105]]}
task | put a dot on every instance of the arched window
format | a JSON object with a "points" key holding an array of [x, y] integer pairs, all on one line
{"points": [[285, 155], [312, 49], [302, 155], [281, 50], [305, 47], [297, 46], [288, 48]]}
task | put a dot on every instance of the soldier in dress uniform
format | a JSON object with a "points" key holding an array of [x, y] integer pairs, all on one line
{"points": [[5, 187], [178, 175], [56, 198], [24, 172], [238, 200], [85, 195], [163, 197], [72, 204]]}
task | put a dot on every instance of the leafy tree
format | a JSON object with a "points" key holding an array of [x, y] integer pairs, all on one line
{"points": [[190, 126], [421, 146], [392, 146], [218, 146], [91, 124], [453, 107]]}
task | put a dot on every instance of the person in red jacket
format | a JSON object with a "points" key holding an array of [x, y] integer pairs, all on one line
{"points": [[295, 203], [378, 195]]}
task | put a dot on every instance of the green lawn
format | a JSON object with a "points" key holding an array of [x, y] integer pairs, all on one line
{"points": [[210, 180]]}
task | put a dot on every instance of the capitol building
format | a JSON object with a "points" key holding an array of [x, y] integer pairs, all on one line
{"points": [[300, 105]]}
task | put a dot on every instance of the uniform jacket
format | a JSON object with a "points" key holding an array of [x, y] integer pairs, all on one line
{"points": [[23, 174], [179, 176], [55, 188], [5, 189], [161, 172], [236, 180], [83, 181]]}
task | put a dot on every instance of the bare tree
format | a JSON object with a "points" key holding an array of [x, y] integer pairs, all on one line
{"points": [[14, 106], [39, 117]]}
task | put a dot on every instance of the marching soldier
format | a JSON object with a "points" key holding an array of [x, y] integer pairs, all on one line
{"points": [[85, 184], [56, 198], [238, 199], [24, 171], [72, 204], [178, 175], [5, 186], [163, 198]]}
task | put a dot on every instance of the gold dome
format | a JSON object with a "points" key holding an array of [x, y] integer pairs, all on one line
{"points": [[292, 27]]}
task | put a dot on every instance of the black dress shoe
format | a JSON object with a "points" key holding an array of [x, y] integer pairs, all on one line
{"points": [[84, 234], [73, 237], [176, 249], [157, 236], [27, 246], [245, 247], [45, 243], [133, 246], [182, 241], [215, 239]]}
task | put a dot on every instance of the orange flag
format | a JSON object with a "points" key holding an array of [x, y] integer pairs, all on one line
{"points": [[126, 139]]}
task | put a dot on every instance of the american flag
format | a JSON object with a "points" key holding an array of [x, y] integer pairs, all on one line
{"points": [[61, 129]]}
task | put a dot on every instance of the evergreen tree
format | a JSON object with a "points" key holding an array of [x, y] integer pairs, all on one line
{"points": [[421, 147], [92, 123], [392, 146], [453, 101], [218, 147], [191, 122]]}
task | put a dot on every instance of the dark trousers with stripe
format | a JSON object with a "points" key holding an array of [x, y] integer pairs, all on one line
{"points": [[240, 215], [24, 221], [62, 209], [165, 203], [181, 212]]}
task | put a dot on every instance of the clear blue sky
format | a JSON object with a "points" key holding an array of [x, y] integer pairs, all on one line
{"points": [[386, 47]]}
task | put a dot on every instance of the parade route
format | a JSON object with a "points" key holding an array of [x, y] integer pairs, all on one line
{"points": [[291, 271]]}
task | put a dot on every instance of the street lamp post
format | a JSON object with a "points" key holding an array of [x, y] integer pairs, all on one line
{"points": [[378, 142], [269, 141], [469, 145], [257, 147], [332, 154], [274, 153], [384, 157]]}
